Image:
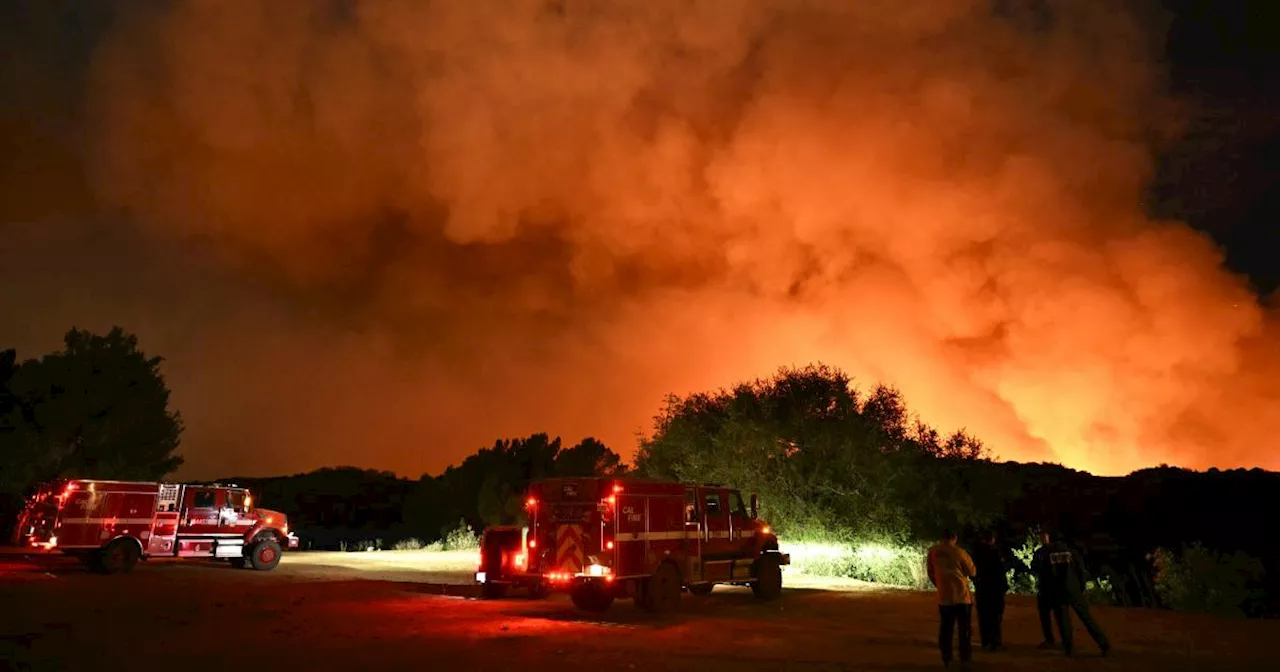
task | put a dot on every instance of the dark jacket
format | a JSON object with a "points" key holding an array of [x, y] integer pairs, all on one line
{"points": [[1059, 570], [991, 570]]}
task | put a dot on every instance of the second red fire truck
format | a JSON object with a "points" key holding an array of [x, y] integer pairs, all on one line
{"points": [[604, 538], [112, 524]]}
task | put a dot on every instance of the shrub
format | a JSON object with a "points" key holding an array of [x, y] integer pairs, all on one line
{"points": [[886, 562], [1024, 582], [409, 544], [460, 538], [1100, 591], [1204, 580], [365, 545]]}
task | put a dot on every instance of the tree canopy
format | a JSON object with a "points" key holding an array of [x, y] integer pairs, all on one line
{"points": [[825, 457], [99, 407], [488, 487]]}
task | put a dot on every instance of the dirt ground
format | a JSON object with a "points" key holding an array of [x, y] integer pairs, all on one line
{"points": [[324, 611]]}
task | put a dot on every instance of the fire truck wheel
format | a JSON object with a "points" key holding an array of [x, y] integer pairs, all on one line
{"points": [[701, 589], [768, 583], [265, 555], [591, 598], [120, 556], [661, 592]]}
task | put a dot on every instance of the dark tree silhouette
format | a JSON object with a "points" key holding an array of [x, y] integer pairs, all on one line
{"points": [[97, 408], [589, 458]]}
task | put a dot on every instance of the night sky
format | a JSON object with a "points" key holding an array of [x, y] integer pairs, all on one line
{"points": [[386, 234], [1225, 60]]}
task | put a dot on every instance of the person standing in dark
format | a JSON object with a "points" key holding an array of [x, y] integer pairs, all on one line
{"points": [[1060, 583], [992, 585], [950, 569]]}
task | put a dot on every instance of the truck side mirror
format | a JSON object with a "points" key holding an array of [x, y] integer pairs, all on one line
{"points": [[755, 506]]}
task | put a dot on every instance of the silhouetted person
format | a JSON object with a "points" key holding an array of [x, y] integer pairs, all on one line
{"points": [[992, 585], [1060, 580], [950, 569]]}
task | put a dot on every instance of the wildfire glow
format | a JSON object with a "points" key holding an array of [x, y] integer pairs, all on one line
{"points": [[491, 218]]}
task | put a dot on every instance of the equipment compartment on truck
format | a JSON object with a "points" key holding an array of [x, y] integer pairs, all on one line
{"points": [[600, 539]]}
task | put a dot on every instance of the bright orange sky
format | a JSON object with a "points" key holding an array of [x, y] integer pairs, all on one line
{"points": [[390, 237]]}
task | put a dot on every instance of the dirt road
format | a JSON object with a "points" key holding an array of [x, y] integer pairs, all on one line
{"points": [[330, 611]]}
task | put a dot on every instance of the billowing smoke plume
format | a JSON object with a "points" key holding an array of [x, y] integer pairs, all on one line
{"points": [[548, 214]]}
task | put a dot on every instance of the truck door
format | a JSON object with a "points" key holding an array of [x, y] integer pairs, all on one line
{"points": [[199, 512], [234, 516], [741, 533], [715, 525], [693, 533], [164, 528]]}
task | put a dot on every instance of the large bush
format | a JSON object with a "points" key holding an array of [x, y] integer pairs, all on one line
{"points": [[1200, 579], [828, 460]]}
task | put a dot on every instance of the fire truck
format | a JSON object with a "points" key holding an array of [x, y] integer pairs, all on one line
{"points": [[110, 525], [604, 538]]}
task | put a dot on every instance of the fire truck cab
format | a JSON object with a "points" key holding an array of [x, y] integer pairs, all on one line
{"points": [[112, 524], [605, 538]]}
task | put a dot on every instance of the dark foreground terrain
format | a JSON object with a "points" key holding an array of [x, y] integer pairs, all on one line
{"points": [[311, 614]]}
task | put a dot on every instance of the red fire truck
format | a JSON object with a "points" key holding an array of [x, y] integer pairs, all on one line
{"points": [[112, 524], [603, 538]]}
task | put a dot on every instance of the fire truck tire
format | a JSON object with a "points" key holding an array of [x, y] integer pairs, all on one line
{"points": [[119, 557], [591, 598], [701, 589], [265, 555], [661, 592], [768, 583]]}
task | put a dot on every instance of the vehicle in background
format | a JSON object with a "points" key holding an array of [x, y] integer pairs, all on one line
{"points": [[112, 524], [605, 538]]}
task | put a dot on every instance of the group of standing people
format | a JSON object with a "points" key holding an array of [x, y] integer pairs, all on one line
{"points": [[1060, 587]]}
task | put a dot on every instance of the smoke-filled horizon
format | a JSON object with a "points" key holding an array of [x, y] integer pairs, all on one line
{"points": [[387, 233]]}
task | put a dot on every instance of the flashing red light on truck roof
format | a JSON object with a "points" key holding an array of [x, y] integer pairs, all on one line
{"points": [[531, 502], [611, 499]]}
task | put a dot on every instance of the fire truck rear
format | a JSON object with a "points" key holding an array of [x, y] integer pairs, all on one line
{"points": [[603, 538], [112, 524]]}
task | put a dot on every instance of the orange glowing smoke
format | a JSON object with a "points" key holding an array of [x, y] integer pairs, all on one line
{"points": [[549, 214]]}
